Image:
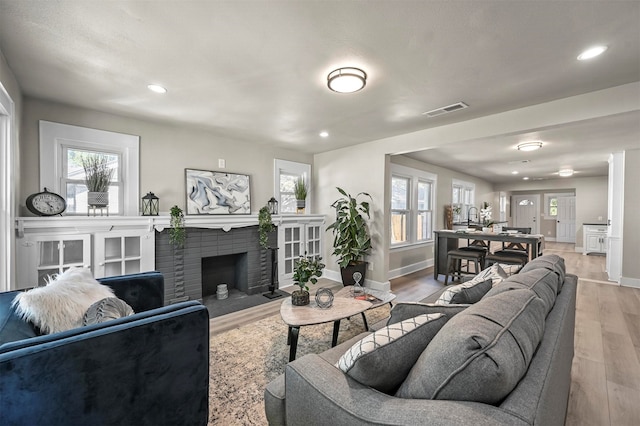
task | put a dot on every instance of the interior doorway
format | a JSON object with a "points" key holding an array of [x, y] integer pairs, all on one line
{"points": [[527, 211], [6, 190], [566, 220]]}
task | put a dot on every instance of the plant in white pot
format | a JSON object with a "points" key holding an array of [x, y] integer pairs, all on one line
{"points": [[305, 269], [98, 177], [300, 190], [352, 240]]}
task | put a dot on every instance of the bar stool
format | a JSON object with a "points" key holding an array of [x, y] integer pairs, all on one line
{"points": [[454, 263], [509, 259]]}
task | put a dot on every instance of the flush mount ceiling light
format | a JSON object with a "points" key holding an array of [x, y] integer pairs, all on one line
{"points": [[565, 172], [529, 146], [592, 52], [324, 134], [156, 88], [346, 80]]}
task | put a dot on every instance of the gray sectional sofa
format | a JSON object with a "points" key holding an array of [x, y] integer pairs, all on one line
{"points": [[503, 360]]}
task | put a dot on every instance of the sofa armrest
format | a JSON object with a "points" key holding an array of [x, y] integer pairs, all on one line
{"points": [[318, 393], [152, 370], [142, 291]]}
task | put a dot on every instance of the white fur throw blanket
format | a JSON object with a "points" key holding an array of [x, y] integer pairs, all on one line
{"points": [[61, 304]]}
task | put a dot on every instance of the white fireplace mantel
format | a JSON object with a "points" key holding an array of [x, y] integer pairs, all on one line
{"points": [[89, 224]]}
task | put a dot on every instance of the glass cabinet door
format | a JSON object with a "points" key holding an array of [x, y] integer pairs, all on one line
{"points": [[123, 252], [55, 255]]}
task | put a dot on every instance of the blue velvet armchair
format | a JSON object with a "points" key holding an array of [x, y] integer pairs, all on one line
{"points": [[151, 368]]}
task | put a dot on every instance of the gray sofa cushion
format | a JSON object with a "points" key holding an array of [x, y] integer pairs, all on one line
{"points": [[405, 310], [552, 262], [542, 281], [383, 359], [481, 353]]}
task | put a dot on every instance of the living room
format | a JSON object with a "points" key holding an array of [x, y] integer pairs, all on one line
{"points": [[354, 156]]}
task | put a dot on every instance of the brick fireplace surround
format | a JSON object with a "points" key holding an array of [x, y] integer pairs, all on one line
{"points": [[183, 269]]}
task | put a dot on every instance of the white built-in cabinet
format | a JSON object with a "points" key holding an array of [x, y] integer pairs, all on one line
{"points": [[297, 235], [595, 239], [109, 246]]}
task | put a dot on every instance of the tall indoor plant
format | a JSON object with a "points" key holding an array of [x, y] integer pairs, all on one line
{"points": [[352, 240]]}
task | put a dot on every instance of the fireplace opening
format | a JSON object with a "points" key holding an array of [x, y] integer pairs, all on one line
{"points": [[228, 269]]}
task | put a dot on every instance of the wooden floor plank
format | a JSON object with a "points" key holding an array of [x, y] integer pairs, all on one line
{"points": [[624, 405], [621, 360], [588, 396]]}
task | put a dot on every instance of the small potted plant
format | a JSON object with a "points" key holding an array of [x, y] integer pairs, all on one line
{"points": [[352, 240], [305, 269], [300, 190], [98, 176]]}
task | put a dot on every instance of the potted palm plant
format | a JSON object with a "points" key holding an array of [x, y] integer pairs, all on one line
{"points": [[98, 177], [352, 240], [305, 269], [300, 190]]}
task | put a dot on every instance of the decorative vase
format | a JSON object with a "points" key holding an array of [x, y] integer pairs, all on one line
{"points": [[98, 199], [347, 273], [300, 298]]}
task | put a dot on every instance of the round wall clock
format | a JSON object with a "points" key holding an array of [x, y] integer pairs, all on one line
{"points": [[46, 203]]}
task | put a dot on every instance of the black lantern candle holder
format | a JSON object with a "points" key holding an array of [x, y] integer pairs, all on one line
{"points": [[150, 205], [272, 206]]}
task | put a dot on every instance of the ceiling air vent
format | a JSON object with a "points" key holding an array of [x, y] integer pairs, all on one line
{"points": [[446, 110]]}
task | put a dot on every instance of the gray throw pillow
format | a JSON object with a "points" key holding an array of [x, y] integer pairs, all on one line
{"points": [[382, 359], [105, 310], [543, 282], [405, 310], [481, 353]]}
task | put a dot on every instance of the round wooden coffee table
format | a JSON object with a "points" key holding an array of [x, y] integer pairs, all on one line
{"points": [[344, 306]]}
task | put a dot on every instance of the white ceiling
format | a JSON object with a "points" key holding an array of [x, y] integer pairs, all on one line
{"points": [[256, 70]]}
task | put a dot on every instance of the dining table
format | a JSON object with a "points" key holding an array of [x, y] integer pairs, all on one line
{"points": [[446, 240]]}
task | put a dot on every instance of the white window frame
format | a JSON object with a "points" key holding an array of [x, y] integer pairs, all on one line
{"points": [[468, 188], [55, 137], [415, 176], [547, 200], [292, 168]]}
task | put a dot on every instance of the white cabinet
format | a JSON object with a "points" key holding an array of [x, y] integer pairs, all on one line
{"points": [[40, 256], [297, 235], [123, 252], [107, 245], [594, 238]]}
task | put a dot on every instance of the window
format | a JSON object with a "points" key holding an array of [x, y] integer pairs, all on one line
{"points": [[286, 174], [463, 196], [64, 175], [412, 200], [503, 207]]}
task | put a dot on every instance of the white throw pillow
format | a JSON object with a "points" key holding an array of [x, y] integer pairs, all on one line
{"points": [[61, 304], [510, 269], [495, 273]]}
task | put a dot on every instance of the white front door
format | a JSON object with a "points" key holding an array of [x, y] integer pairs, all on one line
{"points": [[527, 209], [566, 220]]}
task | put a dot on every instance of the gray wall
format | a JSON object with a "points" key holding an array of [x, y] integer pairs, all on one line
{"points": [[165, 151]]}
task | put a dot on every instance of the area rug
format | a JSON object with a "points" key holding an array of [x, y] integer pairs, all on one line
{"points": [[244, 360]]}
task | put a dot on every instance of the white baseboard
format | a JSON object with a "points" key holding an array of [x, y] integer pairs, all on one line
{"points": [[374, 285], [410, 269], [630, 282]]}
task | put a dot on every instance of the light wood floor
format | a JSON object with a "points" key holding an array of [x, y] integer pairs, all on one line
{"points": [[605, 388]]}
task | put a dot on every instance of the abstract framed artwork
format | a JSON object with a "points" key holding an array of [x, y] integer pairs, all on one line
{"points": [[217, 192]]}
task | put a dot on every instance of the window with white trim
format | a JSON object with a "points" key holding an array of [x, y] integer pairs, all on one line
{"points": [[551, 204], [286, 174], [463, 196], [412, 201], [63, 145]]}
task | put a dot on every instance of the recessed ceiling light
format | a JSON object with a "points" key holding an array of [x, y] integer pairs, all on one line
{"points": [[156, 88], [515, 172], [592, 52], [530, 146], [324, 134], [565, 172], [525, 178]]}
